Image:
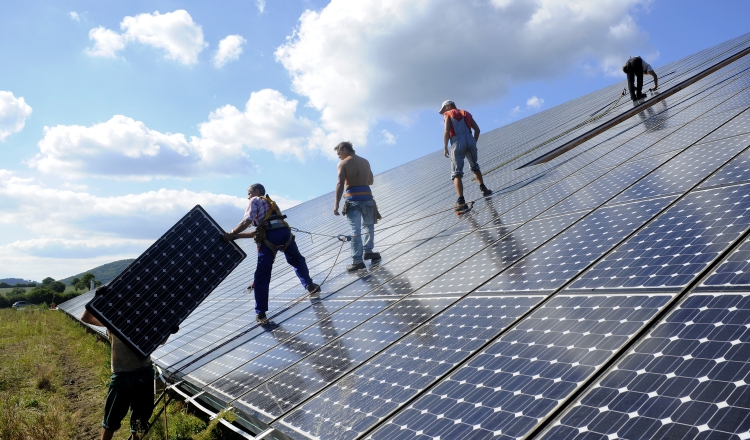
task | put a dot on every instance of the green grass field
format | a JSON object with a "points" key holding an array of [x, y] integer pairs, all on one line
{"points": [[54, 378]]}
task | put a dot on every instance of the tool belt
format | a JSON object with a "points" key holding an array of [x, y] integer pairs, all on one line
{"points": [[376, 214]]}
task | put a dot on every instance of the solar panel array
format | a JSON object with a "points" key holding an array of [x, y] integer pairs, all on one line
{"points": [[601, 294]]}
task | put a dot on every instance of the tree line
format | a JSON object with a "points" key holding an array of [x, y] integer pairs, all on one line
{"points": [[49, 291]]}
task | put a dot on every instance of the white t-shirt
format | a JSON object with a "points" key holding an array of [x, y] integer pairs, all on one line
{"points": [[646, 67]]}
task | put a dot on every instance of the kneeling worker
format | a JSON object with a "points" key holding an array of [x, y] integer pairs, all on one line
{"points": [[272, 234], [130, 386], [634, 68]]}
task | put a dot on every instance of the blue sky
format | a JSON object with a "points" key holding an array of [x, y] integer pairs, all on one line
{"points": [[118, 117]]}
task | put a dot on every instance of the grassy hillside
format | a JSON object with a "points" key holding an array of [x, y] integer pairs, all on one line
{"points": [[104, 273], [54, 379]]}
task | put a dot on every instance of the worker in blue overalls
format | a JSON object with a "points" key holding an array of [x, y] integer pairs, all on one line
{"points": [[458, 125], [272, 234]]}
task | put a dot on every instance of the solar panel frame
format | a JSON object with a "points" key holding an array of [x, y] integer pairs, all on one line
{"points": [[127, 290]]}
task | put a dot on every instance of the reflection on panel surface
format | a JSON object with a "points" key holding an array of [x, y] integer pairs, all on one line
{"points": [[558, 261], [687, 379], [674, 249], [509, 387], [387, 382]]}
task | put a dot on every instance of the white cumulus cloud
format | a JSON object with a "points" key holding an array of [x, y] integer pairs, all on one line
{"points": [[174, 32], [13, 114], [388, 137], [268, 122], [534, 102], [74, 16], [361, 61], [230, 49], [125, 148], [261, 5]]}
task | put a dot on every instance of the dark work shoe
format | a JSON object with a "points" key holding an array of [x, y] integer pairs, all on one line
{"points": [[641, 96], [485, 191], [374, 256], [313, 288], [460, 204], [261, 318], [355, 266]]}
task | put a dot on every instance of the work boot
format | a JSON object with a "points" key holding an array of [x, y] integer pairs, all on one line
{"points": [[313, 288], [485, 191], [641, 96], [261, 318], [461, 204], [374, 256], [355, 266]]}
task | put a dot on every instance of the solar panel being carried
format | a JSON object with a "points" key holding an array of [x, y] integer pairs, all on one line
{"points": [[599, 293]]}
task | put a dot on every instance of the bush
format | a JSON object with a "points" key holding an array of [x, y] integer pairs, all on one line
{"points": [[4, 303], [57, 286], [4, 285], [41, 295], [60, 298]]}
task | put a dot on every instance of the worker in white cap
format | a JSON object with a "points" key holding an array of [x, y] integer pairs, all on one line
{"points": [[458, 129]]}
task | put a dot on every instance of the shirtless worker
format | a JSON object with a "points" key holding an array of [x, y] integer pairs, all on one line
{"points": [[634, 68], [457, 128], [355, 175]]}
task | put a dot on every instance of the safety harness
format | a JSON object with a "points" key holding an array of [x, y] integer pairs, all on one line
{"points": [[272, 218]]}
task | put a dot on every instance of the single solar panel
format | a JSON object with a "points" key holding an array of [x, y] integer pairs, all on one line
{"points": [[150, 298]]}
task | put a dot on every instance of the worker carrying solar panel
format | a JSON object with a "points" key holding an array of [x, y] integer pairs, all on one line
{"points": [[272, 234], [355, 175], [634, 68], [131, 386], [458, 127]]}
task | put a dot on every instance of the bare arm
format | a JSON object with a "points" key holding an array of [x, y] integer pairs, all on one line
{"points": [[446, 135], [339, 187], [88, 318], [235, 233], [476, 129], [656, 79]]}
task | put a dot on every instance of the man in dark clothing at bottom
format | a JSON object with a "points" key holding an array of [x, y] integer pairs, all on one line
{"points": [[131, 386], [634, 68], [272, 234]]}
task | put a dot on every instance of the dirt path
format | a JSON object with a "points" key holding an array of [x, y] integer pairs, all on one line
{"points": [[83, 392]]}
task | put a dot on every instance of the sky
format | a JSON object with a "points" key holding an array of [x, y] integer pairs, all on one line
{"points": [[116, 118]]}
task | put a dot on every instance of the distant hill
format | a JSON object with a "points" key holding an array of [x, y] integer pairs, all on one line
{"points": [[13, 281], [104, 273]]}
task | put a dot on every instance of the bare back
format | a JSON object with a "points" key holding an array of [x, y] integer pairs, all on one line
{"points": [[356, 171]]}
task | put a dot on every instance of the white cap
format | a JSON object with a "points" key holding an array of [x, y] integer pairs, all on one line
{"points": [[446, 102]]}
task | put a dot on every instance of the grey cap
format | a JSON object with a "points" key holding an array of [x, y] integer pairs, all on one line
{"points": [[447, 102]]}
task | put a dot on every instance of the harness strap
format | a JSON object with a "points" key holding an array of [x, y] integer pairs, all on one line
{"points": [[279, 248]]}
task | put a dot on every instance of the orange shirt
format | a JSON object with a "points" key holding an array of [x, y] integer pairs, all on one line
{"points": [[458, 115]]}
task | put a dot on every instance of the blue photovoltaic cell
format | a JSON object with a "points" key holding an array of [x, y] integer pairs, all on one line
{"points": [[685, 170], [688, 379], [299, 381], [736, 171], [371, 393], [559, 260], [167, 282], [678, 245], [512, 385], [735, 271]]}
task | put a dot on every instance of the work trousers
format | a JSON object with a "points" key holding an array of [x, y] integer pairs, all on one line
{"points": [[266, 257], [361, 216], [635, 75]]}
